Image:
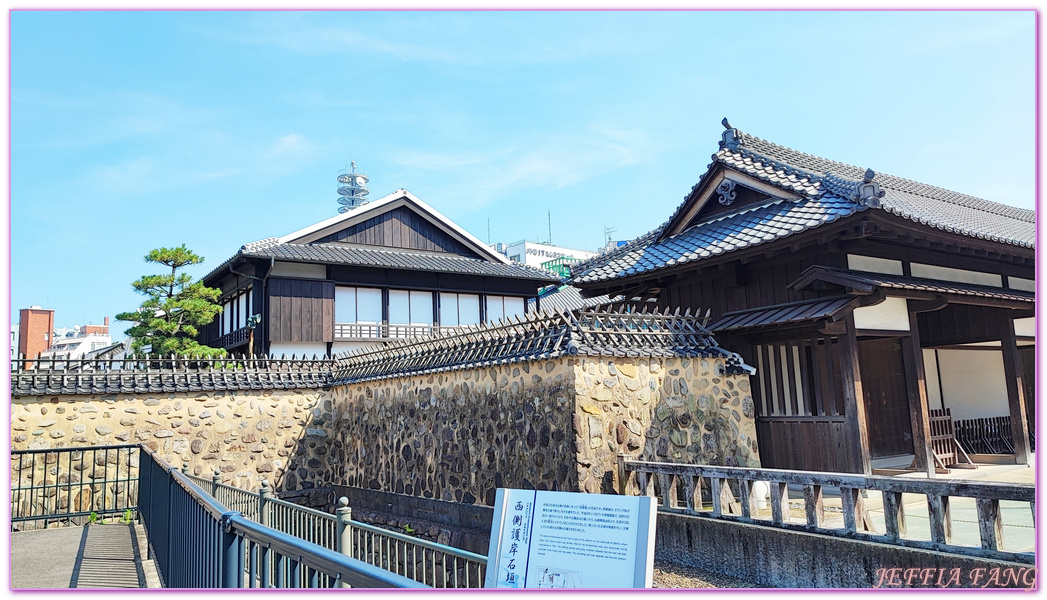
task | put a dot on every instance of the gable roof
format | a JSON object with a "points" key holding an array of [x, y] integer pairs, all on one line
{"points": [[400, 197], [814, 191], [300, 246]]}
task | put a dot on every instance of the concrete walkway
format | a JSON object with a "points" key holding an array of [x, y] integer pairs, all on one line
{"points": [[95, 556]]}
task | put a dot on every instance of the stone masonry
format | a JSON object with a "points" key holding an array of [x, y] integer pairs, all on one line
{"points": [[555, 424]]}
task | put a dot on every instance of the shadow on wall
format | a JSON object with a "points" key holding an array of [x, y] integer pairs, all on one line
{"points": [[548, 425], [455, 436]]}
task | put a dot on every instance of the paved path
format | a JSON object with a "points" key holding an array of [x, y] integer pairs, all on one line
{"points": [[96, 556]]}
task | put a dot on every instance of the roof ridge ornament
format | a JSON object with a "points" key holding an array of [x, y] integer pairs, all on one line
{"points": [[732, 138], [866, 192]]}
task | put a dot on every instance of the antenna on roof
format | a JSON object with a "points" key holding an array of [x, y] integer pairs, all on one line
{"points": [[352, 188]]}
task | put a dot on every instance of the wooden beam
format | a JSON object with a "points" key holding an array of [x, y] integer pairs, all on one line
{"points": [[854, 398], [919, 306], [916, 384], [1012, 370]]}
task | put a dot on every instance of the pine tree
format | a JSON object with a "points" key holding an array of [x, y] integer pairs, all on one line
{"points": [[175, 308]]}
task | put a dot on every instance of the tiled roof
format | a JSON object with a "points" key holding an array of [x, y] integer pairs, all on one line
{"points": [[340, 254], [871, 281], [566, 298], [825, 187], [131, 376], [541, 336], [750, 226], [782, 314]]}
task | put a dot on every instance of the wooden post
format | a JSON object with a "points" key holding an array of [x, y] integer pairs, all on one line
{"points": [[813, 507], [1012, 370], [916, 383], [854, 399]]}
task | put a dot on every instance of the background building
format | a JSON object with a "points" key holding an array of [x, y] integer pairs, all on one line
{"points": [[388, 269], [78, 341], [533, 254], [35, 330]]}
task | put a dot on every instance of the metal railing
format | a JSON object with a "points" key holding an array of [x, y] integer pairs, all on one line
{"points": [[426, 562], [433, 564], [683, 489], [199, 543], [73, 485]]}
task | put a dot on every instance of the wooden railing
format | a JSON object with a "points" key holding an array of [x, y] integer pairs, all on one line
{"points": [[231, 339], [356, 331], [682, 489], [989, 435]]}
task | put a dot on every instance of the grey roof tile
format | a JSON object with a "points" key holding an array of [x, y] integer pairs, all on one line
{"points": [[394, 259], [587, 332], [725, 233], [806, 175], [566, 298]]}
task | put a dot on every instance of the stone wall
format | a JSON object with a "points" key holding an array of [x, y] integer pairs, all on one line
{"points": [[673, 410], [556, 424], [247, 436], [459, 435]]}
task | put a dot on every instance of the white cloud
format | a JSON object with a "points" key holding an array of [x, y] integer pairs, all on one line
{"points": [[549, 162]]}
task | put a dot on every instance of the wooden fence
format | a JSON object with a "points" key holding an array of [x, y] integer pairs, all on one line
{"points": [[683, 489], [990, 435]]}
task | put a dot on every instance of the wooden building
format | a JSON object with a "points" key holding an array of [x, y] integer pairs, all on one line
{"points": [[868, 303], [394, 268]]}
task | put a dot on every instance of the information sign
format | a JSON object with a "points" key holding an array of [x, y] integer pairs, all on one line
{"points": [[570, 540]]}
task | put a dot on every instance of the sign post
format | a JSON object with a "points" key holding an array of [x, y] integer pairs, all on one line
{"points": [[545, 539]]}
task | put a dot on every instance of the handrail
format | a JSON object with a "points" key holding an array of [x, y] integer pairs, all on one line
{"points": [[373, 545], [223, 548], [680, 488], [344, 569], [451, 550]]}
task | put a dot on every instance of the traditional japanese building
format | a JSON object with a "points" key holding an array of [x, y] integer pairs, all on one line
{"points": [[868, 303], [392, 268]]}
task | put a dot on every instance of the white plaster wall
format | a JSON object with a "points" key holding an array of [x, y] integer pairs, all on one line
{"points": [[299, 349], [930, 370], [339, 347], [891, 314], [958, 275], [857, 262], [973, 383], [1017, 283], [1025, 327], [301, 270]]}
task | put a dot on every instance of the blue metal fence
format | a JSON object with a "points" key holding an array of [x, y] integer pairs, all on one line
{"points": [[198, 543], [72, 485]]}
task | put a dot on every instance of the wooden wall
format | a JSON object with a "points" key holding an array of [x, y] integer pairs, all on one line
{"points": [[400, 228], [798, 393], [301, 310], [805, 444], [739, 287], [960, 324]]}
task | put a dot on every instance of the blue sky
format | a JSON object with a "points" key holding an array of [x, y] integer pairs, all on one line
{"points": [[135, 130]]}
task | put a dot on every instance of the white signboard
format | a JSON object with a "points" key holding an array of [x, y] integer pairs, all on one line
{"points": [[570, 540]]}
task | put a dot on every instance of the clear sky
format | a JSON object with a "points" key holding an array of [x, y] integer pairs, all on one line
{"points": [[135, 130]]}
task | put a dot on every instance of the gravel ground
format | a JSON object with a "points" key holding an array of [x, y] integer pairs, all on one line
{"points": [[669, 575]]}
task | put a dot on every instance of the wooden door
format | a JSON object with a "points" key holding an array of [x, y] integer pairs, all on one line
{"points": [[886, 397]]}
